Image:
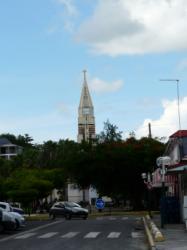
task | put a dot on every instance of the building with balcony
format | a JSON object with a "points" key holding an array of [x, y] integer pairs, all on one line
{"points": [[9, 150]]}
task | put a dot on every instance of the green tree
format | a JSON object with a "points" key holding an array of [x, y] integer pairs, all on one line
{"points": [[20, 140], [110, 133]]}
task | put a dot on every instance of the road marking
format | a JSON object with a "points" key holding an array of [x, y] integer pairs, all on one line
{"points": [[47, 235], [112, 218], [124, 218], [25, 236], [114, 235], [99, 218], [137, 235], [92, 235], [69, 235], [31, 230]]}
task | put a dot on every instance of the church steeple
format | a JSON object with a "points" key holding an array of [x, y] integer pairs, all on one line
{"points": [[86, 120], [85, 101]]}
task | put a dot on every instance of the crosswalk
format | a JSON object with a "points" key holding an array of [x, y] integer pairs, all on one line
{"points": [[80, 234], [112, 218], [70, 235]]}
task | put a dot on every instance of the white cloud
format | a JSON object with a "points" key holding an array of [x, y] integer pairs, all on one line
{"points": [[52, 126], [67, 15], [71, 10], [168, 123], [98, 85], [135, 26]]}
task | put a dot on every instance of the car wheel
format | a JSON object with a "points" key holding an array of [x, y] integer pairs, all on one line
{"points": [[17, 224], [53, 216], [68, 216]]}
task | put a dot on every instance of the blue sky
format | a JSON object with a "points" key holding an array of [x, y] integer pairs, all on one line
{"points": [[126, 47]]}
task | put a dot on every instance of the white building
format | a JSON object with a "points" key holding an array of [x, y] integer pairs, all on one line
{"points": [[8, 150]]}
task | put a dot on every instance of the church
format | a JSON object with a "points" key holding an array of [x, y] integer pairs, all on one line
{"points": [[86, 119], [86, 132]]}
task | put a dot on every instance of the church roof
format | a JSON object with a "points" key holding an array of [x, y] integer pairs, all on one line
{"points": [[85, 100]]}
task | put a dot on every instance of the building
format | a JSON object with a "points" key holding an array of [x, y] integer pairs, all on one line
{"points": [[86, 119], [86, 132], [8, 150], [176, 175]]}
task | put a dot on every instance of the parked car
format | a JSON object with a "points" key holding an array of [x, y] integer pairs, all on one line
{"points": [[68, 210], [20, 220], [18, 210], [1, 223], [7, 221]]}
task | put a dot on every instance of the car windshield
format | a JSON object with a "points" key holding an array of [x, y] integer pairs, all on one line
{"points": [[2, 206], [71, 204]]}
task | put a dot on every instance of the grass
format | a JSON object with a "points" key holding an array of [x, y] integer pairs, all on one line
{"points": [[37, 217]]}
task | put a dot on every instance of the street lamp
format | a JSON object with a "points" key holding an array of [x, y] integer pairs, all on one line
{"points": [[147, 177], [162, 162], [178, 99]]}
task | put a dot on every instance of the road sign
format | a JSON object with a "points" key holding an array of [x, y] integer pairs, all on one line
{"points": [[100, 204]]}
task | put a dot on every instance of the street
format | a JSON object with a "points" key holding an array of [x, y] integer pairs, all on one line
{"points": [[100, 233]]}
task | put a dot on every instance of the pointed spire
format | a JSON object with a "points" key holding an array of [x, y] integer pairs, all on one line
{"points": [[86, 119], [85, 100]]}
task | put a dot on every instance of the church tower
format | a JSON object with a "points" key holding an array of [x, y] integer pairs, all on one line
{"points": [[86, 120]]}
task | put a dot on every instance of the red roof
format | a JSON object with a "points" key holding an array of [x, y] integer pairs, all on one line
{"points": [[179, 133]]}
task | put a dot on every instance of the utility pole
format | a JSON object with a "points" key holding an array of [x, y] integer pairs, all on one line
{"points": [[150, 134]]}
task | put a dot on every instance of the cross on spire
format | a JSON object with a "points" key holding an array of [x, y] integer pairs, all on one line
{"points": [[84, 72]]}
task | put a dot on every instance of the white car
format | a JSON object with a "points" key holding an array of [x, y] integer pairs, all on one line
{"points": [[7, 221], [19, 219]]}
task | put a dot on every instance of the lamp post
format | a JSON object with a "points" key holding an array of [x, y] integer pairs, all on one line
{"points": [[178, 98], [147, 177], [162, 162]]}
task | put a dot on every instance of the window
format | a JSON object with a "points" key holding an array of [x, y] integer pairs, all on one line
{"points": [[184, 144], [3, 206]]}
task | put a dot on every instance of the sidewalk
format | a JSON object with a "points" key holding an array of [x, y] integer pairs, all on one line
{"points": [[175, 236]]}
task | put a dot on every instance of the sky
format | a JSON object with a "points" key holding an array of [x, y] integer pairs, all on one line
{"points": [[126, 46]]}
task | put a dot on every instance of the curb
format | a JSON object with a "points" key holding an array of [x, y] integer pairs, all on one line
{"points": [[157, 235], [149, 235]]}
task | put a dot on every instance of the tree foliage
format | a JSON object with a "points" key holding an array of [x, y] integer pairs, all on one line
{"points": [[113, 166], [110, 133]]}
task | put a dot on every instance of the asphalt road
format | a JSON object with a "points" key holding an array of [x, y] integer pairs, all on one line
{"points": [[102, 233]]}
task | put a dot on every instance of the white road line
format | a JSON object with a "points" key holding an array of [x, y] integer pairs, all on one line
{"points": [[92, 235], [125, 218], [31, 230], [99, 218], [112, 218], [137, 218], [69, 235], [137, 235], [47, 235], [25, 236], [114, 235]]}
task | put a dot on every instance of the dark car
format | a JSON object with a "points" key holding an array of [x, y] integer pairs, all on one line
{"points": [[18, 210], [68, 210]]}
